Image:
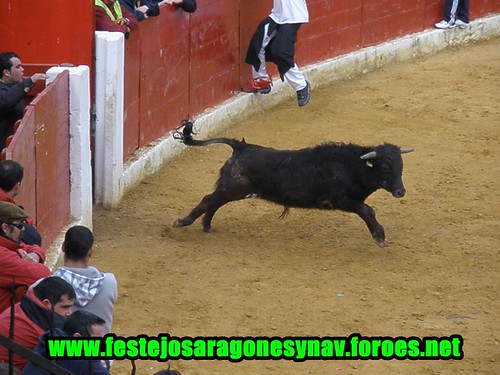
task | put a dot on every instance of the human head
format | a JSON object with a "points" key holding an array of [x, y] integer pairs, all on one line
{"points": [[12, 219], [56, 294], [168, 371], [11, 70], [11, 175], [4, 369], [84, 324], [78, 243]]}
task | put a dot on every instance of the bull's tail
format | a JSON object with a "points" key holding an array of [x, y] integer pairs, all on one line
{"points": [[186, 136]]}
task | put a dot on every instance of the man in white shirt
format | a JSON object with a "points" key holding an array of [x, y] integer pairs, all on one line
{"points": [[274, 40]]}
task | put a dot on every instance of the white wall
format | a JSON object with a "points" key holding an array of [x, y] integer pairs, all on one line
{"points": [[79, 152], [108, 166]]}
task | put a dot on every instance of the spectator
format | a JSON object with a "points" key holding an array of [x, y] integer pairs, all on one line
{"points": [[111, 16], [141, 9], [186, 5], [79, 324], [96, 291], [456, 13], [13, 88], [168, 371], [274, 40], [43, 307], [21, 264], [4, 370], [11, 176]]}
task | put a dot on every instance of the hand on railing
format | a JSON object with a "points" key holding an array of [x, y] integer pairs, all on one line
{"points": [[122, 21], [143, 9], [170, 2], [38, 76]]}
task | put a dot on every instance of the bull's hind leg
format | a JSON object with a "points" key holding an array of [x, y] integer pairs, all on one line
{"points": [[220, 199], [207, 218], [208, 206], [199, 210]]}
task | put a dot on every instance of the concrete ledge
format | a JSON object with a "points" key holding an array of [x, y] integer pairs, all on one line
{"points": [[150, 159]]}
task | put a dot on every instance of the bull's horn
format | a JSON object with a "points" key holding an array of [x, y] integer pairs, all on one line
{"points": [[370, 155], [406, 150]]}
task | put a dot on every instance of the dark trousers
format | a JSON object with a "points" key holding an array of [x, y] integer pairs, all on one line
{"points": [[280, 50], [456, 9]]}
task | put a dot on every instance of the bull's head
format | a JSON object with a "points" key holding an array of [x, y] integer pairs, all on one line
{"points": [[389, 164]]}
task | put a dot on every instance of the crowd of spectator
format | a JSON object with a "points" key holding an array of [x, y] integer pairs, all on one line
{"points": [[76, 300], [124, 15]]}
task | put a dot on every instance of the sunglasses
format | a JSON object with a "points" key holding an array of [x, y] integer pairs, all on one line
{"points": [[19, 226]]}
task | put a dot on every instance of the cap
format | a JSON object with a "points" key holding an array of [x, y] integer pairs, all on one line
{"points": [[11, 212]]}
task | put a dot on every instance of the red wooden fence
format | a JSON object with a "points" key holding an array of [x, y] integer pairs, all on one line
{"points": [[177, 65], [41, 145]]}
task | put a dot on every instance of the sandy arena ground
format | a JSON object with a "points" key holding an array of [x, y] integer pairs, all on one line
{"points": [[319, 273]]}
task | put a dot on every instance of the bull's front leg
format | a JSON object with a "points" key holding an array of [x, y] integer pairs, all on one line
{"points": [[367, 213]]}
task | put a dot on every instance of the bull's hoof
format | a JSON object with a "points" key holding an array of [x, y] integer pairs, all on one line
{"points": [[207, 229], [382, 243], [285, 212], [181, 223]]}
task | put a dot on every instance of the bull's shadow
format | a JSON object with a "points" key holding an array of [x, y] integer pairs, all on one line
{"points": [[330, 176]]}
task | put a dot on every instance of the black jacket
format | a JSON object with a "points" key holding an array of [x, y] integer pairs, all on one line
{"points": [[186, 5], [12, 106], [153, 11]]}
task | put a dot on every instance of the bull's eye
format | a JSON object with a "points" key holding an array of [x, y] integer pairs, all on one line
{"points": [[385, 168]]}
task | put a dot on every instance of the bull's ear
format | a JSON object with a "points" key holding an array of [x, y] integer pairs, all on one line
{"points": [[406, 150], [369, 155]]}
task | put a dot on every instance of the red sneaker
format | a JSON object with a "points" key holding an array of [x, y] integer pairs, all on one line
{"points": [[258, 85]]}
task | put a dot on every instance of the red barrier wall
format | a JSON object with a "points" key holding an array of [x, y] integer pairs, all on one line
{"points": [[177, 65], [41, 145], [48, 32]]}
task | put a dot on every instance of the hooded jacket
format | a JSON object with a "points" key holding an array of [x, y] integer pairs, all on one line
{"points": [[96, 292], [14, 269], [31, 319], [75, 366]]}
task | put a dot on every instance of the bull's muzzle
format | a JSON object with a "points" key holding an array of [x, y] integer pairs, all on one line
{"points": [[399, 192]]}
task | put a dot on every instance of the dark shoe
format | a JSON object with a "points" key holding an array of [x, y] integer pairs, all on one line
{"points": [[304, 95], [258, 85]]}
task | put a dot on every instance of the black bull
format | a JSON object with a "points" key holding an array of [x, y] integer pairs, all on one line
{"points": [[333, 176]]}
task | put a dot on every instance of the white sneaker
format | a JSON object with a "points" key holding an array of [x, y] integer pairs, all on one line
{"points": [[444, 25], [461, 24]]}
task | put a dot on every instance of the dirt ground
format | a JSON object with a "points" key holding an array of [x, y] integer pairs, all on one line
{"points": [[319, 273]]}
